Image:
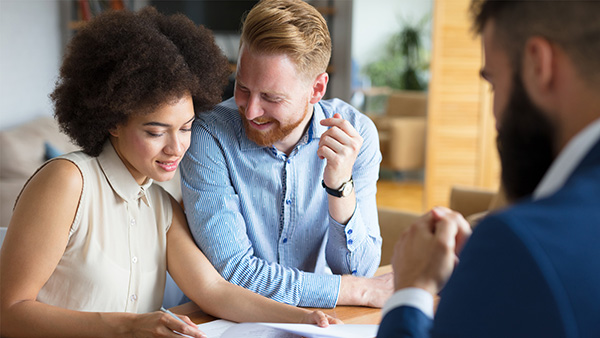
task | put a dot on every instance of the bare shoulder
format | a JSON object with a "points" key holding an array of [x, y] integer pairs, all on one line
{"points": [[54, 190], [60, 171]]}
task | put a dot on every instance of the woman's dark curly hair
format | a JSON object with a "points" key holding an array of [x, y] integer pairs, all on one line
{"points": [[123, 63]]}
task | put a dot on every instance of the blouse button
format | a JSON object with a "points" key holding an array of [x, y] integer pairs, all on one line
{"points": [[133, 297], [134, 260]]}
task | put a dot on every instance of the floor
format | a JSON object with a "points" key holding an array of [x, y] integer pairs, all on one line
{"points": [[400, 194]]}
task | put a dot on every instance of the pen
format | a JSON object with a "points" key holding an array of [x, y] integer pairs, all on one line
{"points": [[179, 319], [172, 315]]}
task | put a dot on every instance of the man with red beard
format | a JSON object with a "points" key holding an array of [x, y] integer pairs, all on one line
{"points": [[278, 185], [531, 270]]}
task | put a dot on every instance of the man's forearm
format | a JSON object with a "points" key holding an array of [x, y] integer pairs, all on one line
{"points": [[283, 284], [341, 209], [365, 291]]}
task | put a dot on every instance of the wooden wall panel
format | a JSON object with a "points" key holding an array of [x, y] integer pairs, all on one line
{"points": [[461, 133]]}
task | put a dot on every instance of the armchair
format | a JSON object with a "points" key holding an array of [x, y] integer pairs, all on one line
{"points": [[402, 131]]}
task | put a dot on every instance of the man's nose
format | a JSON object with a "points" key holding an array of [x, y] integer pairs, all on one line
{"points": [[253, 108]]}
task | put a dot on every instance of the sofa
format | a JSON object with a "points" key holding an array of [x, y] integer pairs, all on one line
{"points": [[402, 131], [25, 148], [472, 202], [392, 223], [475, 203]]}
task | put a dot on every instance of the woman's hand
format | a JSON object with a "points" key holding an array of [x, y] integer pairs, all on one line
{"points": [[320, 318], [160, 324]]}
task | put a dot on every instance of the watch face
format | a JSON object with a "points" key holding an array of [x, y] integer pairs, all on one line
{"points": [[347, 189]]}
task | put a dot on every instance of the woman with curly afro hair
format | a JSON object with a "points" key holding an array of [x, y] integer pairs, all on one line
{"points": [[91, 238]]}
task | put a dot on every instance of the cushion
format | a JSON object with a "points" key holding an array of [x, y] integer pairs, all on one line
{"points": [[50, 151], [22, 148]]}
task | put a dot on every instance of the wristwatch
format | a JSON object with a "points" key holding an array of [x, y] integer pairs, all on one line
{"points": [[342, 191]]}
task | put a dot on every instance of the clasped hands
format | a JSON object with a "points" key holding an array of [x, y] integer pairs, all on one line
{"points": [[425, 255]]}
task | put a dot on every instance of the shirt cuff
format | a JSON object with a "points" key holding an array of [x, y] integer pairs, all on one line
{"points": [[414, 297], [352, 234], [319, 290]]}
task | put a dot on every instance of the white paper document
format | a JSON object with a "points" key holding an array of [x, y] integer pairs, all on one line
{"points": [[226, 329], [216, 328]]}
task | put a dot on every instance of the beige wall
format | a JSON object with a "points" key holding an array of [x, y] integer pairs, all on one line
{"points": [[461, 135]]}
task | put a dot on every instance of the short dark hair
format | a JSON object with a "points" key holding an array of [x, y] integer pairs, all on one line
{"points": [[574, 25], [123, 63]]}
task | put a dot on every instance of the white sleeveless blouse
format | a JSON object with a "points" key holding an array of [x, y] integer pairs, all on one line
{"points": [[115, 259]]}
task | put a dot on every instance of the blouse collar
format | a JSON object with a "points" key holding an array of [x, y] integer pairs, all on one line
{"points": [[119, 177]]}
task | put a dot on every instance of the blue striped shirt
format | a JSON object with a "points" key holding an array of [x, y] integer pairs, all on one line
{"points": [[262, 217]]}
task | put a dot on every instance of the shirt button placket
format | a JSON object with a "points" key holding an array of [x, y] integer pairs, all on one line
{"points": [[134, 267], [286, 211]]}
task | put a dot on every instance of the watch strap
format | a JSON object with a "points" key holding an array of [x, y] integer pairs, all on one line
{"points": [[337, 192]]}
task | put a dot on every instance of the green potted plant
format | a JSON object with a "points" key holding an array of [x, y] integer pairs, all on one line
{"points": [[397, 101], [405, 63]]}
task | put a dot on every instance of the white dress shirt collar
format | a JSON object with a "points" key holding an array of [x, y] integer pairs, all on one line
{"points": [[568, 159]]}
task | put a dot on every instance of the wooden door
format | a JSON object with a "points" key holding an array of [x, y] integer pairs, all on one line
{"points": [[461, 135]]}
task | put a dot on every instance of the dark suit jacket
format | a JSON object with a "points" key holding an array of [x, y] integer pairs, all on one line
{"points": [[532, 270]]}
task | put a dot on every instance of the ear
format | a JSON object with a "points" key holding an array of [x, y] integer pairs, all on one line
{"points": [[539, 69], [319, 87], [114, 132]]}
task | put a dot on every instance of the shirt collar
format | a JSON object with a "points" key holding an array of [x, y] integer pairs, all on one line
{"points": [[567, 161], [314, 131], [119, 178], [318, 115]]}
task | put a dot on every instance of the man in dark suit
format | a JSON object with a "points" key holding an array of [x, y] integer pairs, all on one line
{"points": [[533, 269]]}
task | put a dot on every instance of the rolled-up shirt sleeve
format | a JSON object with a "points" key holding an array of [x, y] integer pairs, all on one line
{"points": [[355, 248]]}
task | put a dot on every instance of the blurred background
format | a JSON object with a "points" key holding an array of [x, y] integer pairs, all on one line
{"points": [[410, 65]]}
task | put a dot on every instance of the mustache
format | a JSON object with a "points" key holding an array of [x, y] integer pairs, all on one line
{"points": [[259, 120]]}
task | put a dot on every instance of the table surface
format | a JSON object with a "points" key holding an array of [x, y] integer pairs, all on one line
{"points": [[348, 314]]}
